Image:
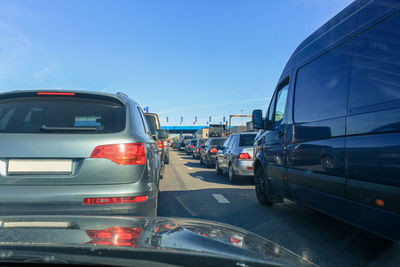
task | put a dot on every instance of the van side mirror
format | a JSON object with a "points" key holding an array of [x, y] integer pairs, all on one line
{"points": [[161, 134], [257, 119]]}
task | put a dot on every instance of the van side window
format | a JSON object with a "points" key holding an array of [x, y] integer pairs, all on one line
{"points": [[322, 87], [375, 73], [270, 114], [280, 104]]}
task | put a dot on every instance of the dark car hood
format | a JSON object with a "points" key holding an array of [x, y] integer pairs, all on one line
{"points": [[159, 234]]}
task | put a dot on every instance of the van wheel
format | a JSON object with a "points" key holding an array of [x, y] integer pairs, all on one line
{"points": [[263, 193]]}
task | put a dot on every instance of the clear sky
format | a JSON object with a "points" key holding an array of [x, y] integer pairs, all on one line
{"points": [[180, 58]]}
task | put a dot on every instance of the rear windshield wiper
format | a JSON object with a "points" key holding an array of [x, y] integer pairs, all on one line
{"points": [[45, 128]]}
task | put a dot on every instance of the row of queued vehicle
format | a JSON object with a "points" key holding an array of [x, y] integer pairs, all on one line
{"points": [[231, 156]]}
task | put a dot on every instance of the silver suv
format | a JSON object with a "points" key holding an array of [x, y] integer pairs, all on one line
{"points": [[76, 152]]}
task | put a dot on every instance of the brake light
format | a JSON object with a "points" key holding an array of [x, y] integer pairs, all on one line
{"points": [[115, 236], [200, 149], [244, 156], [160, 145], [191, 146], [165, 144], [122, 154], [113, 200], [54, 93], [213, 150], [380, 202]]}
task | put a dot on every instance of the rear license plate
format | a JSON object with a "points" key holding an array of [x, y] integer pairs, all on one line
{"points": [[39, 166]]}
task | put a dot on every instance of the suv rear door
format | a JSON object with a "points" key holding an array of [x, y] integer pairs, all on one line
{"points": [[48, 139]]}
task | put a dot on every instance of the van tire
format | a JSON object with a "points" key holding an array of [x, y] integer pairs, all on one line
{"points": [[263, 191]]}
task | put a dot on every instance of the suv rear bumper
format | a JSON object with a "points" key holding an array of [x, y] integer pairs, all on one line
{"points": [[67, 200], [241, 167]]}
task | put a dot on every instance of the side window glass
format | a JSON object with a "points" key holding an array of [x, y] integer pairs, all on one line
{"points": [[232, 144], [375, 72], [226, 144], [270, 114], [280, 105], [146, 130], [322, 87]]}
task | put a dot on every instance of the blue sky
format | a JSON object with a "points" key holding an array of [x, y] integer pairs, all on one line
{"points": [[181, 58]]}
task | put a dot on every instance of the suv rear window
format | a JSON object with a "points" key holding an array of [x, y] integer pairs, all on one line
{"points": [[246, 139], [61, 114], [218, 142]]}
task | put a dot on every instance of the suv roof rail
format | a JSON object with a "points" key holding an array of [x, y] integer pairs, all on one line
{"points": [[123, 94], [124, 97]]}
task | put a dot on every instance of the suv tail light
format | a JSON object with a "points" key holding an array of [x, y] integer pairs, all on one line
{"points": [[113, 200], [213, 150], [115, 236], [122, 154], [244, 156]]}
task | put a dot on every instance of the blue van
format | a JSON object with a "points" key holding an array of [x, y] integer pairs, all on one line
{"points": [[331, 135]]}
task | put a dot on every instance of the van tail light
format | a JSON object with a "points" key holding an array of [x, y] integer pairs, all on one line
{"points": [[115, 236], [122, 154], [160, 144], [213, 150], [113, 200], [244, 156]]}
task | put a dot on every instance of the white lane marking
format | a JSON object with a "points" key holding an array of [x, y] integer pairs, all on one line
{"points": [[186, 207], [200, 177], [190, 168], [181, 159], [220, 198]]}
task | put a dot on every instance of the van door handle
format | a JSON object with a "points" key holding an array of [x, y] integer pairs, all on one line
{"points": [[280, 134]]}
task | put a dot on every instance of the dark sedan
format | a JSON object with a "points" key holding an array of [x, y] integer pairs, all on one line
{"points": [[199, 146], [208, 154]]}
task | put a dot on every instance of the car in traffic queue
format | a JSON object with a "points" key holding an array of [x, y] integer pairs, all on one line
{"points": [[183, 140], [331, 137], [198, 147], [190, 146], [160, 136], [76, 153], [235, 157], [208, 155]]}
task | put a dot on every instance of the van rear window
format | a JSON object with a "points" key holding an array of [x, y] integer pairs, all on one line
{"points": [[59, 114]]}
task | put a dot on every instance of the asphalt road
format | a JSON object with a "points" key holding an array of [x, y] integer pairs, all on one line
{"points": [[191, 190]]}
